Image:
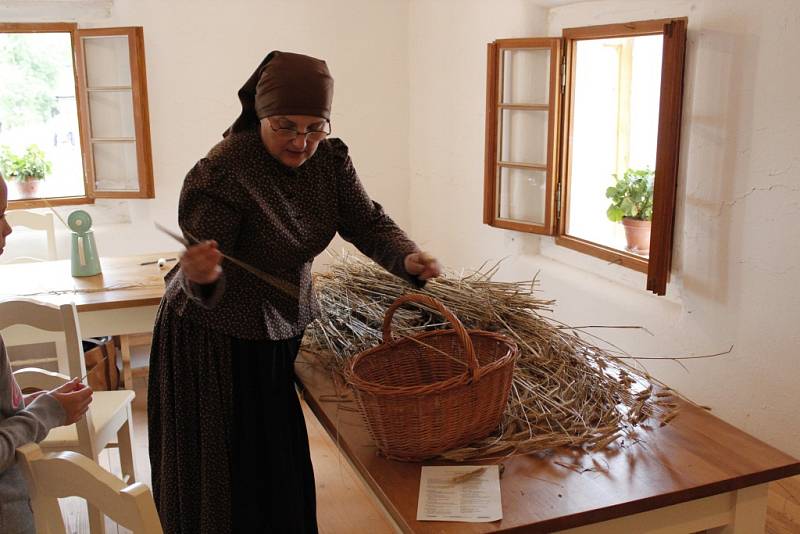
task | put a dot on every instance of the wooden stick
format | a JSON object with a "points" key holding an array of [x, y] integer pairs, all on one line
{"points": [[469, 475], [93, 369], [46, 203], [282, 285]]}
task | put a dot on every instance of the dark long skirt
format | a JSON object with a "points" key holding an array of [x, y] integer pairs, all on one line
{"points": [[228, 442]]}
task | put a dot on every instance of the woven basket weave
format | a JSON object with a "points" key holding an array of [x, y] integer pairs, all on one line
{"points": [[425, 394]]}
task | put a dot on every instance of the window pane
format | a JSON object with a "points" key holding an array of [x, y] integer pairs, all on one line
{"points": [[107, 61], [526, 76], [111, 113], [39, 115], [614, 129], [522, 194], [524, 138], [115, 166]]}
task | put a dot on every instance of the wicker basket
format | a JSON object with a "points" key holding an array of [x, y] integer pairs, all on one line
{"points": [[428, 393]]}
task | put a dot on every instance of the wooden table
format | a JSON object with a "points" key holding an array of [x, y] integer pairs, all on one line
{"points": [[696, 473], [121, 301]]}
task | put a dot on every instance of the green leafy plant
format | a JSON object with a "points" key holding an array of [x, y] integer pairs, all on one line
{"points": [[31, 64], [631, 196], [32, 165]]}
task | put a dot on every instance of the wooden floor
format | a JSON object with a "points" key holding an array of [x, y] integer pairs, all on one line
{"points": [[344, 506], [783, 512]]}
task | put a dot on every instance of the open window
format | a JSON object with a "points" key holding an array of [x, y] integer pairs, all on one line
{"points": [[582, 140], [74, 122]]}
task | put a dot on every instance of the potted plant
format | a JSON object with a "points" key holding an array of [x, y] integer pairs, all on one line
{"points": [[26, 170], [632, 203]]}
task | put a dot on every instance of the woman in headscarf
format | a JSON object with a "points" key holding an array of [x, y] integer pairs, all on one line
{"points": [[228, 442]]}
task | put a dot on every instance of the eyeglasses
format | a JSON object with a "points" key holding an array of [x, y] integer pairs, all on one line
{"points": [[290, 134]]}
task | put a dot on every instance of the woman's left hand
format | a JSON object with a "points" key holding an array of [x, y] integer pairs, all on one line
{"points": [[422, 265]]}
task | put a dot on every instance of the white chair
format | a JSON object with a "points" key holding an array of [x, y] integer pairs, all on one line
{"points": [[44, 222], [34, 221], [108, 423], [54, 476], [39, 222]]}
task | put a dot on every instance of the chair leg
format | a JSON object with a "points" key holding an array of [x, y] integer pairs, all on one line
{"points": [[47, 516], [125, 445], [125, 349], [97, 520]]}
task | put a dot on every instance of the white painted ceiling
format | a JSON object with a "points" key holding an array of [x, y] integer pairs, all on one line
{"points": [[556, 3]]}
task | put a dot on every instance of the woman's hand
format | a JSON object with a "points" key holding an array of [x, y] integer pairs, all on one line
{"points": [[75, 398], [422, 265], [200, 263]]}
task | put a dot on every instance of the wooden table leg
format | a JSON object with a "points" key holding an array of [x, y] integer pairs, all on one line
{"points": [[749, 513], [125, 349]]}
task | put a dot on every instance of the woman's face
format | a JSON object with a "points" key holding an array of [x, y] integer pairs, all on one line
{"points": [[278, 134], [5, 228]]}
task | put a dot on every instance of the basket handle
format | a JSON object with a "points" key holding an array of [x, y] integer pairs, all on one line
{"points": [[460, 331]]}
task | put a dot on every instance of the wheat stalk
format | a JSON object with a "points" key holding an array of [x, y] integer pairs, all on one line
{"points": [[566, 390]]}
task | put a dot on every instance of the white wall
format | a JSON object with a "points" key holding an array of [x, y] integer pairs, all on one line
{"points": [[737, 259], [447, 54], [199, 52]]}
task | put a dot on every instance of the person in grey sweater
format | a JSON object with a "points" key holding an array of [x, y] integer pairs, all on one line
{"points": [[27, 418]]}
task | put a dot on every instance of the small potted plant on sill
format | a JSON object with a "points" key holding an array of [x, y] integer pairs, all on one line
{"points": [[26, 170], [632, 204]]}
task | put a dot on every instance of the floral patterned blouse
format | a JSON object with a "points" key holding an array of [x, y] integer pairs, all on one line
{"points": [[276, 219]]}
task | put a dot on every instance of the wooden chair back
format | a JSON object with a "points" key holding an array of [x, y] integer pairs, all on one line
{"points": [[54, 476], [34, 221], [52, 318]]}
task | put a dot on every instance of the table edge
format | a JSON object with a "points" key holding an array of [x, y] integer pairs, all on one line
{"points": [[119, 304]]}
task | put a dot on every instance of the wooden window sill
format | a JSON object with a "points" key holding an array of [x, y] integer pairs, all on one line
{"points": [[625, 259], [45, 203]]}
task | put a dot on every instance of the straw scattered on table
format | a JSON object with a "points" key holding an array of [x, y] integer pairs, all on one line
{"points": [[566, 390]]}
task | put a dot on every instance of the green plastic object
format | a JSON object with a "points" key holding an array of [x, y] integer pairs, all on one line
{"points": [[85, 259]]}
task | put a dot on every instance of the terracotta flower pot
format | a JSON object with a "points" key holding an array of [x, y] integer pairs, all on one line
{"points": [[637, 234], [28, 188]]}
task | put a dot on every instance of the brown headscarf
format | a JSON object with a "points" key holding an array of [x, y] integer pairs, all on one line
{"points": [[288, 84]]}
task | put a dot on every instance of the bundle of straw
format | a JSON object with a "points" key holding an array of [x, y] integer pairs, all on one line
{"points": [[566, 391]]}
